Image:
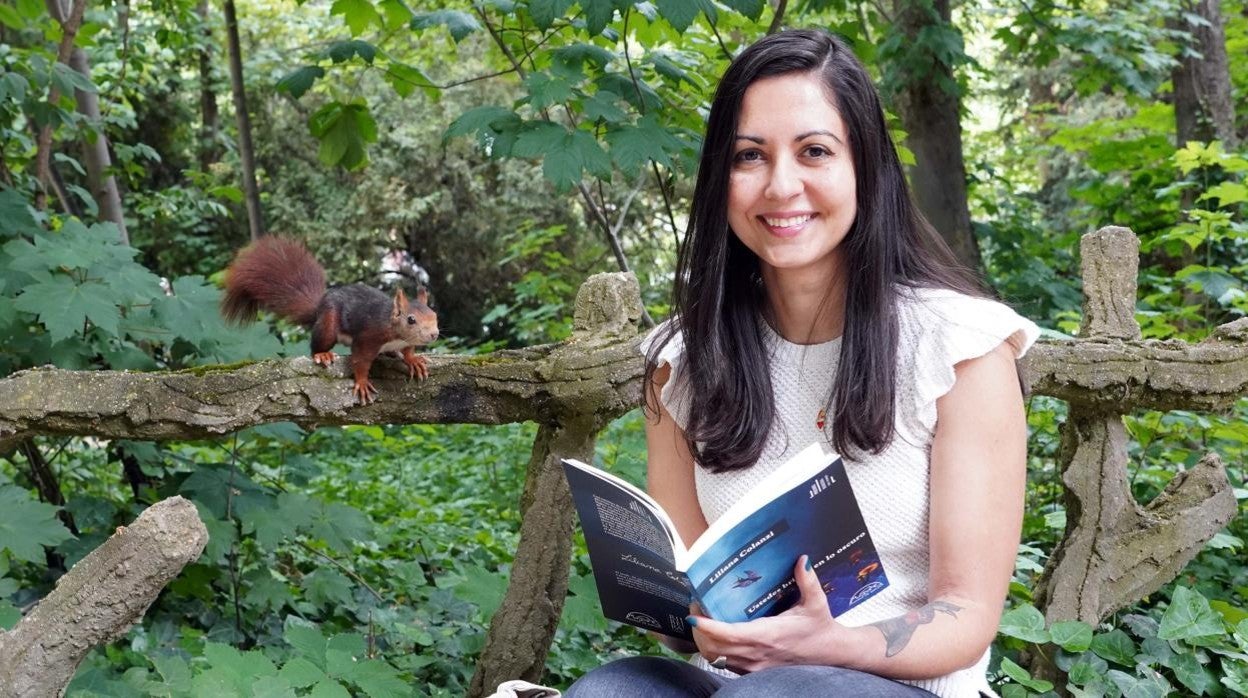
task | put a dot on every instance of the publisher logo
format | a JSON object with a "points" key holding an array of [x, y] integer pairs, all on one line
{"points": [[866, 591], [677, 623], [642, 619]]}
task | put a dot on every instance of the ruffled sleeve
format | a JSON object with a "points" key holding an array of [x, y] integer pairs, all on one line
{"points": [[947, 328], [673, 396]]}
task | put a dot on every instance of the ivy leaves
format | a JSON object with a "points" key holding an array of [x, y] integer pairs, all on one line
{"points": [[1180, 644]]}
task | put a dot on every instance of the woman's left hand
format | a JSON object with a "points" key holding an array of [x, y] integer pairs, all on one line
{"points": [[804, 634]]}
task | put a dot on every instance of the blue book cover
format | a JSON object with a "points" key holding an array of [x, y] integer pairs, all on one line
{"points": [[741, 568]]}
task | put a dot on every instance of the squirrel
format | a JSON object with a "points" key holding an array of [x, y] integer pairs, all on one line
{"points": [[280, 275]]}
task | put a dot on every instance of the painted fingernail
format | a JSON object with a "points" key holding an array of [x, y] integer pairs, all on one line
{"points": [[809, 566], [693, 622]]}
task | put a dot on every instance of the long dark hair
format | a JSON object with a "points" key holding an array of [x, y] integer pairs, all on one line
{"points": [[718, 301]]}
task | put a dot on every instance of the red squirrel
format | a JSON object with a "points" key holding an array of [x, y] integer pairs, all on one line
{"points": [[280, 275]]}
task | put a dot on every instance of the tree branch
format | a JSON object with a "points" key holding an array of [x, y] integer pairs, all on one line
{"points": [[584, 374], [597, 371], [778, 20], [1141, 374], [99, 599]]}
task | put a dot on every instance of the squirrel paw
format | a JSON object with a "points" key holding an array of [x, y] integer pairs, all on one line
{"points": [[323, 358], [417, 367], [364, 392]]}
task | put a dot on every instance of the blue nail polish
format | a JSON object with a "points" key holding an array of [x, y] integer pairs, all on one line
{"points": [[808, 563], [693, 622]]}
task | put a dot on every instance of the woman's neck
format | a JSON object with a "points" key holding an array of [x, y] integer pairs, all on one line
{"points": [[805, 308]]}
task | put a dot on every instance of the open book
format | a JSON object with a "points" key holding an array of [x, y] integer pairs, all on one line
{"points": [[741, 568]]}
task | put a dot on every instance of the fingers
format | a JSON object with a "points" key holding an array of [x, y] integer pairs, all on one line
{"points": [[723, 645], [813, 598]]}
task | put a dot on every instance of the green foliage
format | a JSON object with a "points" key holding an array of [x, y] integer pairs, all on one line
{"points": [[1216, 229], [27, 526], [303, 591], [1182, 650], [1188, 638], [343, 129], [579, 78], [76, 298], [540, 310]]}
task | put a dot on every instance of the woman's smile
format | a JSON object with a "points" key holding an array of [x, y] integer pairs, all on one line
{"points": [[786, 224]]}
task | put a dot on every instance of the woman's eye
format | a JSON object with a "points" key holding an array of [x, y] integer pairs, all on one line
{"points": [[746, 156], [817, 151]]}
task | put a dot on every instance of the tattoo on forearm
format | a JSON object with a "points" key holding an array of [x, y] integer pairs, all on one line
{"points": [[898, 631]]}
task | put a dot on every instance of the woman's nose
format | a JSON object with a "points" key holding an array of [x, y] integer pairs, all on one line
{"points": [[784, 180]]}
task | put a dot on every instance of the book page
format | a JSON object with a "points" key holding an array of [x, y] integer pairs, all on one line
{"points": [[631, 546]]}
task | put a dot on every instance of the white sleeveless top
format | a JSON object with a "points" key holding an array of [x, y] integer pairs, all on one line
{"points": [[938, 329]]}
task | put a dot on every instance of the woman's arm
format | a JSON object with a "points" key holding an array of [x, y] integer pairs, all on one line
{"points": [[669, 479], [669, 467], [978, 479]]}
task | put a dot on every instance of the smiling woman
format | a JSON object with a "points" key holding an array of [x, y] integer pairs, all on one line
{"points": [[814, 304], [792, 195]]}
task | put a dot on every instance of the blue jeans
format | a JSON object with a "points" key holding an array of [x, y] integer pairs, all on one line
{"points": [[660, 677]]}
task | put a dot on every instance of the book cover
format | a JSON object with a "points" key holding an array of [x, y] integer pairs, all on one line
{"points": [[741, 568]]}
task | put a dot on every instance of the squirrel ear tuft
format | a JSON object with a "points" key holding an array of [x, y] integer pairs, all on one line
{"points": [[400, 302], [422, 295]]}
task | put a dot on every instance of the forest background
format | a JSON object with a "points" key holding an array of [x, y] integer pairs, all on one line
{"points": [[501, 152]]}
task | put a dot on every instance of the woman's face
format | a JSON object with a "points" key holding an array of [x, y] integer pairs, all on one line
{"points": [[792, 192]]}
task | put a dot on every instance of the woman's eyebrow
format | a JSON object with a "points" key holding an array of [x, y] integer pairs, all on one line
{"points": [[759, 140], [819, 132]]}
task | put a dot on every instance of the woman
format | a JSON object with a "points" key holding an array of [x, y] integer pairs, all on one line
{"points": [[814, 303]]}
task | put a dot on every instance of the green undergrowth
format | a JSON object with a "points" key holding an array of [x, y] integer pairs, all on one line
{"points": [[368, 561]]}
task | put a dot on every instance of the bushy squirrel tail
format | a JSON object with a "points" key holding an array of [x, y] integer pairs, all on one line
{"points": [[277, 274]]}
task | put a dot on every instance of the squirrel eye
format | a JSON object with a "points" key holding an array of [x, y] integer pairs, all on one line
{"points": [[411, 319]]}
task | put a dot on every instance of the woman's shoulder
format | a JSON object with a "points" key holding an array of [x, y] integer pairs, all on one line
{"points": [[941, 328], [954, 318], [665, 347], [666, 340]]}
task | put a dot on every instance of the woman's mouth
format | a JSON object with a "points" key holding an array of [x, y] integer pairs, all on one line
{"points": [[786, 225]]}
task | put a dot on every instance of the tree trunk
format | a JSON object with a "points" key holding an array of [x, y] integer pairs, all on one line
{"points": [[1203, 107], [929, 107], [524, 625], [70, 20], [100, 181], [255, 221], [209, 152], [95, 156]]}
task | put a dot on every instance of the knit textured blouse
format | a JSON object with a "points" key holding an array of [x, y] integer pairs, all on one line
{"points": [[938, 329]]}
